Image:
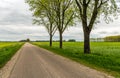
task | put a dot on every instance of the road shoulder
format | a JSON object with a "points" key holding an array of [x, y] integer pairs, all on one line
{"points": [[7, 69]]}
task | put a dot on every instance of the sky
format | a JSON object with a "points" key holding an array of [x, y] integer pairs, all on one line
{"points": [[16, 24]]}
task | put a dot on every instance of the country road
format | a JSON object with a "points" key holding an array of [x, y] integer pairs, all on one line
{"points": [[35, 62]]}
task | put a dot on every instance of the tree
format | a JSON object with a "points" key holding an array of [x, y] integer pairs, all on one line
{"points": [[44, 15], [71, 40], [64, 15], [28, 40], [89, 13], [112, 38]]}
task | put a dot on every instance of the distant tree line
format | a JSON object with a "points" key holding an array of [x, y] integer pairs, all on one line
{"points": [[112, 38], [70, 40], [27, 40], [96, 39]]}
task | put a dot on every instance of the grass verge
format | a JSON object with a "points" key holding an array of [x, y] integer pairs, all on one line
{"points": [[7, 50]]}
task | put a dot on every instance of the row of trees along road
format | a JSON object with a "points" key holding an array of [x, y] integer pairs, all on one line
{"points": [[60, 14]]}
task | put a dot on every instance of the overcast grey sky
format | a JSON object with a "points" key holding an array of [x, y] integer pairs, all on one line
{"points": [[16, 24]]}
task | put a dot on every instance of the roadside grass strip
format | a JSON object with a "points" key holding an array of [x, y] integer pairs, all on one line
{"points": [[7, 50]]}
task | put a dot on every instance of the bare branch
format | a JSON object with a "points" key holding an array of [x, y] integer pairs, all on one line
{"points": [[71, 17], [88, 2], [54, 30], [80, 2], [68, 5], [79, 6], [102, 3], [94, 15]]}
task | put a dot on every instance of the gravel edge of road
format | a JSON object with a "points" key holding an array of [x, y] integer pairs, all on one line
{"points": [[7, 69]]}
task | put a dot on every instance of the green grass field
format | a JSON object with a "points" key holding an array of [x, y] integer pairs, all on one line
{"points": [[105, 56], [7, 50]]}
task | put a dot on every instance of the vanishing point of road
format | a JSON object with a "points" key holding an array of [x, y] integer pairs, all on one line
{"points": [[35, 62]]}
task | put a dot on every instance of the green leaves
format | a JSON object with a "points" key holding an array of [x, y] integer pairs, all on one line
{"points": [[106, 8], [42, 13]]}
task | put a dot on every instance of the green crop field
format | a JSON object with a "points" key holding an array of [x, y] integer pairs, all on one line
{"points": [[7, 50], [105, 56]]}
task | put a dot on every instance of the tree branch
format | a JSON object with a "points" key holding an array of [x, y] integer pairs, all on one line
{"points": [[54, 30], [102, 3], [94, 16], [79, 6], [67, 5], [80, 2], [88, 2], [71, 17]]}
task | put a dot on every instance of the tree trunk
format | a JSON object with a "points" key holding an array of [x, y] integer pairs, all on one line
{"points": [[87, 43], [61, 43], [50, 40]]}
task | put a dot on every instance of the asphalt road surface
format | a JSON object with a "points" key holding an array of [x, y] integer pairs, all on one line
{"points": [[35, 62]]}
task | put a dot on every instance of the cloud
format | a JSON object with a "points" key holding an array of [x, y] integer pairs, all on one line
{"points": [[19, 32], [103, 30], [15, 12], [16, 24], [16, 18]]}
